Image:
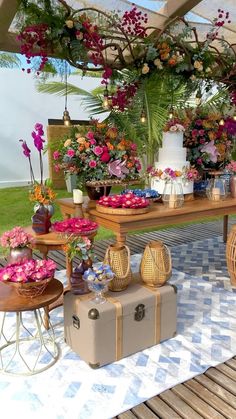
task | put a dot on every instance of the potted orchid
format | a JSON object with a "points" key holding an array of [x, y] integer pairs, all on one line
{"points": [[17, 241], [41, 192]]}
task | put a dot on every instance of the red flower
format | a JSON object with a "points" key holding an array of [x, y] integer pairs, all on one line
{"points": [[105, 157]]}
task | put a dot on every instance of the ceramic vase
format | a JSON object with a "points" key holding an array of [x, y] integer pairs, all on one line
{"points": [[19, 254], [78, 285], [41, 220], [96, 192]]}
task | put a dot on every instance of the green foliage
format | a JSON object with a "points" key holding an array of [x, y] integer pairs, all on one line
{"points": [[8, 60]]}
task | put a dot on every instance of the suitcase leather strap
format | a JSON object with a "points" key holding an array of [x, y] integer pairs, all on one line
{"points": [[119, 329], [157, 329]]}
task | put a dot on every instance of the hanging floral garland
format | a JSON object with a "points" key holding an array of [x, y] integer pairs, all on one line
{"points": [[90, 39]]}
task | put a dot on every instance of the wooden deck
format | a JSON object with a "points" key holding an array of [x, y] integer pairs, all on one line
{"points": [[209, 395]]}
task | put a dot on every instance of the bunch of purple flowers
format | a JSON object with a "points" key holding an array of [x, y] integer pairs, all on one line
{"points": [[37, 136]]}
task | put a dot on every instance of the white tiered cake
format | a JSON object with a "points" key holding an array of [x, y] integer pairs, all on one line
{"points": [[172, 155]]}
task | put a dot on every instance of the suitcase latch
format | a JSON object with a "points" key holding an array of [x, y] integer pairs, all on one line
{"points": [[76, 321], [139, 312]]}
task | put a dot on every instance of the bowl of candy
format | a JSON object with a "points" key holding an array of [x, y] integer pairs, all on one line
{"points": [[97, 279]]}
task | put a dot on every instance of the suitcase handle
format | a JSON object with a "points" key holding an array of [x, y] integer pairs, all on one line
{"points": [[76, 321]]}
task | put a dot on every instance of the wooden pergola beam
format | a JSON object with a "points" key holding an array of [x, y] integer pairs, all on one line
{"points": [[8, 9], [174, 8]]}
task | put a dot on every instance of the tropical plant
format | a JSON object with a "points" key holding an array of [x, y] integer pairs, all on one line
{"points": [[8, 60]]}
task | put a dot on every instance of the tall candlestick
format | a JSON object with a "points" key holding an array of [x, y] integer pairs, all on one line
{"points": [[78, 196]]}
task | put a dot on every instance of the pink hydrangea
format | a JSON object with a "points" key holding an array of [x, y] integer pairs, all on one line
{"points": [[16, 237]]}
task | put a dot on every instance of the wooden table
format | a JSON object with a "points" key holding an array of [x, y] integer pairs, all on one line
{"points": [[44, 343], [44, 243], [158, 216]]}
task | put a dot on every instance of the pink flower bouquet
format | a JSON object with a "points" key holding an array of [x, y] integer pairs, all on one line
{"points": [[28, 271], [128, 200], [80, 226], [16, 237]]}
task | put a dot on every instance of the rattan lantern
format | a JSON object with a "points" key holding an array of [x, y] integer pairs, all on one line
{"points": [[231, 255], [156, 266], [118, 257]]}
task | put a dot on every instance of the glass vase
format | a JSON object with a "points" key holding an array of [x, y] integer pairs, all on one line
{"points": [[173, 196], [216, 189]]}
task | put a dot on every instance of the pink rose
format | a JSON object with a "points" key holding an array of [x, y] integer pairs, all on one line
{"points": [[105, 157], [133, 147], [93, 141], [57, 168], [56, 155], [92, 163], [194, 132], [90, 135], [70, 153], [98, 150], [201, 132]]}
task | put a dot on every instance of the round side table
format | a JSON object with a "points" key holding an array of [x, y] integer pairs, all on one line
{"points": [[26, 346]]}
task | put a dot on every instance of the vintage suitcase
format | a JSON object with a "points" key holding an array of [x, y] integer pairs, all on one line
{"points": [[128, 322]]}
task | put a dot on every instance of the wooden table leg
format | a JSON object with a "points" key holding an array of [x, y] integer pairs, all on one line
{"points": [[120, 238], [225, 228]]}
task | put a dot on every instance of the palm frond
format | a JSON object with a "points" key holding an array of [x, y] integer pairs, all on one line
{"points": [[8, 60]]}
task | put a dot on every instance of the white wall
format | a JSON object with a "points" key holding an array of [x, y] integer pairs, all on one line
{"points": [[21, 106]]}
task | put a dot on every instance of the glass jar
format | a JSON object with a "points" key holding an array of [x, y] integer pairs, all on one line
{"points": [[216, 189], [173, 196]]}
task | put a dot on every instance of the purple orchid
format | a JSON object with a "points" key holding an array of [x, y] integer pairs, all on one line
{"points": [[38, 141], [25, 148], [117, 168]]}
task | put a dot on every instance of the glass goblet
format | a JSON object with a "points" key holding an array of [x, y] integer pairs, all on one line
{"points": [[98, 287]]}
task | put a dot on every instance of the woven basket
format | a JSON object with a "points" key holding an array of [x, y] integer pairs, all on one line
{"points": [[29, 289], [118, 257], [231, 255], [156, 266]]}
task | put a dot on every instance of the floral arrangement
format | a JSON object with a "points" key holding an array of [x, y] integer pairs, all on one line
{"points": [[209, 144], [40, 193], [186, 174], [28, 271], [231, 166], [100, 153], [16, 237], [77, 226], [86, 38], [98, 274], [128, 200], [174, 125], [80, 247]]}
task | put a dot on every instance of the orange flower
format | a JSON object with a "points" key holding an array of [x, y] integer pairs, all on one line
{"points": [[112, 133], [101, 125], [172, 61], [87, 145], [81, 147], [110, 146], [121, 146], [165, 56], [130, 164]]}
